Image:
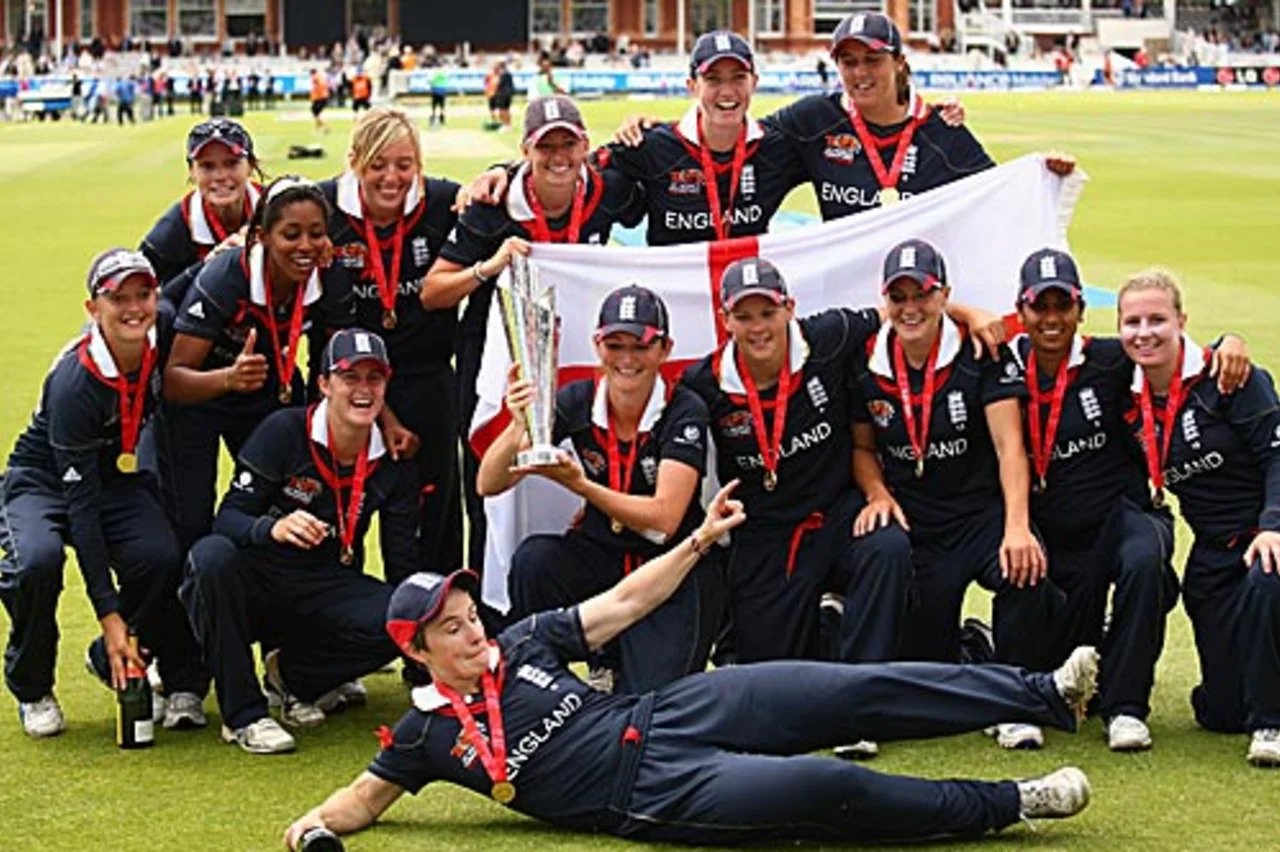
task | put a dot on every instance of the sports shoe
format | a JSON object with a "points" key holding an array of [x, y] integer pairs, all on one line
{"points": [[977, 641], [1062, 793], [96, 662], [1017, 735], [830, 618], [42, 718], [861, 750], [294, 712], [1077, 678], [264, 736], [1128, 733], [1264, 748], [184, 711], [344, 695]]}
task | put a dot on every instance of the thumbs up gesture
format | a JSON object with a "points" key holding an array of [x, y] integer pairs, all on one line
{"points": [[249, 372]]}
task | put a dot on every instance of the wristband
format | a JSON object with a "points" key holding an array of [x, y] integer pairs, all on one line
{"points": [[699, 550], [475, 272]]}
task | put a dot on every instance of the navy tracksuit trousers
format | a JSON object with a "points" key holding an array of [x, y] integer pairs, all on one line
{"points": [[328, 622], [145, 560], [1131, 552], [553, 571], [1235, 613], [724, 759]]}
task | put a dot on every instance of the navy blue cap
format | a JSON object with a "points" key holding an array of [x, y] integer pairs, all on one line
{"points": [[873, 29], [720, 44], [224, 130], [917, 260], [1047, 269], [110, 268], [419, 599], [635, 310], [350, 346], [751, 276]]}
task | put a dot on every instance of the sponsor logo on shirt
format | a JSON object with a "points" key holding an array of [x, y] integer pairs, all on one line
{"points": [[735, 424], [593, 461], [649, 467], [686, 182], [71, 476], [1190, 430], [196, 310], [540, 678], [881, 411], [747, 182], [350, 256], [303, 489], [690, 436], [909, 160], [243, 482], [841, 148]]}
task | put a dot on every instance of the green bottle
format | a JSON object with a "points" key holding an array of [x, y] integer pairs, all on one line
{"points": [[134, 725]]}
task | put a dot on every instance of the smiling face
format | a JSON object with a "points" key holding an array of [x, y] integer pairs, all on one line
{"points": [[1151, 327], [630, 364], [389, 176], [457, 650], [557, 158], [1051, 321], [758, 326], [915, 313], [126, 314], [220, 174], [356, 393], [869, 77], [723, 92], [298, 240]]}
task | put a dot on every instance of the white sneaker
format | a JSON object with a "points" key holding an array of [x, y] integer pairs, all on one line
{"points": [[294, 712], [42, 718], [861, 750], [184, 710], [264, 736], [1077, 678], [1062, 793], [1128, 733], [344, 695], [1017, 735], [1264, 748]]}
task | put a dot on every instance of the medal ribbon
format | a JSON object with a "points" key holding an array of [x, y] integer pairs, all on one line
{"points": [[285, 360], [539, 230], [132, 395], [770, 452], [215, 224], [388, 282], [1042, 447], [709, 170], [1156, 456], [349, 515], [492, 752], [917, 431], [871, 144]]}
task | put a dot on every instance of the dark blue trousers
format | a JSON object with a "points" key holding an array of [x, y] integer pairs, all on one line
{"points": [[327, 620], [470, 351], [553, 571], [145, 560], [946, 561], [1132, 553], [725, 757], [1235, 613], [777, 576]]}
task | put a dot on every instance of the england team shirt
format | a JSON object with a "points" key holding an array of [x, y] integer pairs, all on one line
{"points": [[844, 182], [814, 466], [669, 167], [674, 428], [75, 437], [961, 472], [279, 471], [563, 738], [420, 338], [185, 234], [1224, 451]]}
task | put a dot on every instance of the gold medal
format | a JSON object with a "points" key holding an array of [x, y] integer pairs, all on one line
{"points": [[889, 195], [1041, 486], [346, 555], [389, 319], [770, 480], [127, 463], [285, 394], [503, 792], [919, 468], [1157, 498], [616, 526]]}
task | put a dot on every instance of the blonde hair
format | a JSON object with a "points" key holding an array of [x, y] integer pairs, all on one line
{"points": [[378, 128], [1154, 278]]}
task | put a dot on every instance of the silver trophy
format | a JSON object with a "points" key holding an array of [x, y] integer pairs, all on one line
{"points": [[533, 339]]}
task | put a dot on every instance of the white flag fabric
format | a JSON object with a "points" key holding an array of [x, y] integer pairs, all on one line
{"points": [[984, 225]]}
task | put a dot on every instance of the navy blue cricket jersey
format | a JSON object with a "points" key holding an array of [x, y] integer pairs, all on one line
{"points": [[276, 474], [420, 337], [563, 738], [74, 436], [184, 234], [1224, 454], [844, 182], [815, 465], [674, 428], [667, 164], [961, 473], [228, 298]]}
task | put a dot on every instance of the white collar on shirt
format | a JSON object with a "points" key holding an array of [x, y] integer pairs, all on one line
{"points": [[349, 195], [797, 354], [518, 207], [201, 230], [882, 361], [319, 432], [101, 353], [1192, 364], [918, 108], [652, 409], [258, 284], [428, 699], [688, 126], [1075, 359]]}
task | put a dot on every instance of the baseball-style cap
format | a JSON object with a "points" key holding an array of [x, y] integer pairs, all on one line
{"points": [[350, 346], [635, 310], [111, 267], [751, 276], [553, 112], [917, 260], [222, 130], [419, 599], [1046, 269], [720, 44], [873, 29]]}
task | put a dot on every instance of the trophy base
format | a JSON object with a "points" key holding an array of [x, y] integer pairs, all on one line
{"points": [[539, 456]]}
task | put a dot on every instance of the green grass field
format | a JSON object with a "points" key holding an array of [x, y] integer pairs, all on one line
{"points": [[1190, 181]]}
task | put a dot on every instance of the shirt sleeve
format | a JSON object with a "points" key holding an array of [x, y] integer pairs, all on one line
{"points": [[1001, 378], [560, 630], [470, 240], [398, 525], [244, 514], [685, 436], [208, 305], [405, 762], [1254, 411]]}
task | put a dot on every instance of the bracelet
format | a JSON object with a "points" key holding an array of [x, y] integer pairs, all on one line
{"points": [[699, 550], [475, 272]]}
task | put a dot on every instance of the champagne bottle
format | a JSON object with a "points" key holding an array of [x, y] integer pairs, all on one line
{"points": [[134, 726], [320, 840]]}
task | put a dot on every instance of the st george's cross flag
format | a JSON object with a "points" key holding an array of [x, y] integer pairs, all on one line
{"points": [[984, 225]]}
